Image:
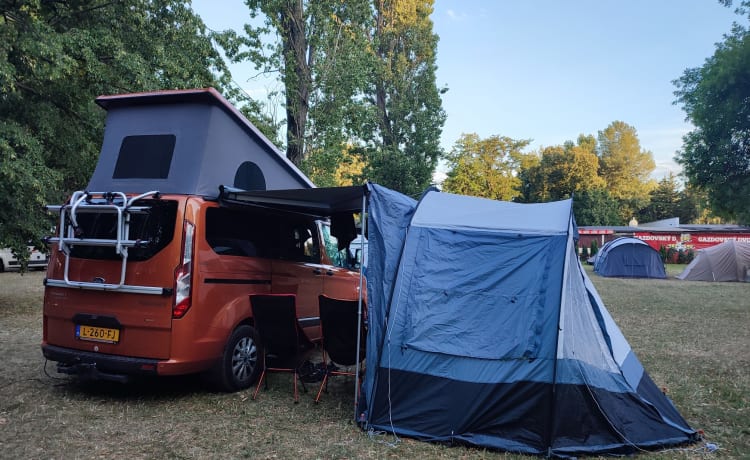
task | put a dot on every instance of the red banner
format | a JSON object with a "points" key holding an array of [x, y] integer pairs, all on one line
{"points": [[687, 241]]}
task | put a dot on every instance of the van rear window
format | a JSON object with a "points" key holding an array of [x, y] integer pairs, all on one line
{"points": [[157, 226]]}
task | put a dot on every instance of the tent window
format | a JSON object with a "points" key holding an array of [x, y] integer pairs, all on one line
{"points": [[484, 298], [249, 176], [145, 157]]}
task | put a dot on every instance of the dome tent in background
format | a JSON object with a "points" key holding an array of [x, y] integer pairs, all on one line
{"points": [[728, 261], [629, 258]]}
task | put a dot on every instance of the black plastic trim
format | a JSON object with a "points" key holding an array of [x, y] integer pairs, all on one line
{"points": [[235, 281], [83, 361]]}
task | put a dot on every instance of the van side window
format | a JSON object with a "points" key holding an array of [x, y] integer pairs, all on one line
{"points": [[253, 233], [299, 241], [236, 233]]}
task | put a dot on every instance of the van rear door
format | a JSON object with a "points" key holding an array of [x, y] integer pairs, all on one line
{"points": [[95, 302]]}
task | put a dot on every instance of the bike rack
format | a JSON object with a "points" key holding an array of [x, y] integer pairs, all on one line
{"points": [[70, 235]]}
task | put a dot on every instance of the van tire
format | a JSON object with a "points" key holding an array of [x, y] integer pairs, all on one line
{"points": [[240, 364], [2, 266]]}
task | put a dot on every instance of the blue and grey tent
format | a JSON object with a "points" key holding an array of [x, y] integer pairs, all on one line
{"points": [[484, 329], [629, 258]]}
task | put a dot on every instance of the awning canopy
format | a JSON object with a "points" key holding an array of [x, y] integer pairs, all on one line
{"points": [[324, 201]]}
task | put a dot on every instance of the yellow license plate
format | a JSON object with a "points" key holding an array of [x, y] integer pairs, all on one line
{"points": [[97, 334]]}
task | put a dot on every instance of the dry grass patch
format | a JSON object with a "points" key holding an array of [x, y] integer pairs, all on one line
{"points": [[691, 337]]}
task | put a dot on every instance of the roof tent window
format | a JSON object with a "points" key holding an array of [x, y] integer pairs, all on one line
{"points": [[249, 177], [145, 157]]}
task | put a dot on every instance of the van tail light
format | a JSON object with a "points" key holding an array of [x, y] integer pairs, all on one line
{"points": [[184, 274]]}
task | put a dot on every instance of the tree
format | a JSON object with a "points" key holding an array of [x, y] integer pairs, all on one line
{"points": [[55, 58], [668, 200], [320, 56], [596, 207], [336, 167], [406, 101], [355, 73], [664, 200], [695, 203], [625, 167], [715, 156], [562, 172], [485, 167]]}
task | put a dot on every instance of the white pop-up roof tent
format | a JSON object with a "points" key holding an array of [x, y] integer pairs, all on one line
{"points": [[186, 142], [728, 261], [484, 329]]}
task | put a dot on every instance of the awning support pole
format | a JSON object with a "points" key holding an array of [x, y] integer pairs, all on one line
{"points": [[363, 225]]}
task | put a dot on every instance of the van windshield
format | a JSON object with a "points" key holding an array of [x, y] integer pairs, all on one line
{"points": [[156, 225]]}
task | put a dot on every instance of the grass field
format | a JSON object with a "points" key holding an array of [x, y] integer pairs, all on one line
{"points": [[693, 338]]}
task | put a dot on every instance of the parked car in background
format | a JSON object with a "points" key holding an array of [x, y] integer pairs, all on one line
{"points": [[8, 260]]}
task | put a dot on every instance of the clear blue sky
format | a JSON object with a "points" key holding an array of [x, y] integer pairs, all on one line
{"points": [[549, 70]]}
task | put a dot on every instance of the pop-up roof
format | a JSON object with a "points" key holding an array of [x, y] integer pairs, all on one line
{"points": [[186, 142]]}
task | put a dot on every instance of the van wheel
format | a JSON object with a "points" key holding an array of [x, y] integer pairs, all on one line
{"points": [[2, 266], [239, 366]]}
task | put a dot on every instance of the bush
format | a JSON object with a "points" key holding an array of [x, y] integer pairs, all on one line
{"points": [[663, 253], [685, 256]]}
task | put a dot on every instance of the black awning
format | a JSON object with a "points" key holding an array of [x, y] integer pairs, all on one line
{"points": [[326, 201]]}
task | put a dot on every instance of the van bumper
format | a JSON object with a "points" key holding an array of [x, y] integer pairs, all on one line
{"points": [[99, 366]]}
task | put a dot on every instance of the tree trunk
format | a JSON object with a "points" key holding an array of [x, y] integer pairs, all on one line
{"points": [[384, 50], [297, 73]]}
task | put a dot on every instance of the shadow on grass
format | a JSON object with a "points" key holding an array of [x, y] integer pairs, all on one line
{"points": [[138, 389]]}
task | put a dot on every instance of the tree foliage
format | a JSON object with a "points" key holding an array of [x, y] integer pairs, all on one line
{"points": [[55, 58], [664, 201], [317, 50], [485, 167], [668, 200], [355, 73], [608, 175], [625, 167], [596, 207], [716, 98], [335, 168], [407, 104], [563, 171]]}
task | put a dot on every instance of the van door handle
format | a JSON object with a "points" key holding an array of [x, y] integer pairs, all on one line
{"points": [[317, 271]]}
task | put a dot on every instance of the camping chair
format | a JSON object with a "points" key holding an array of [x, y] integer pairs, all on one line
{"points": [[284, 343], [339, 323]]}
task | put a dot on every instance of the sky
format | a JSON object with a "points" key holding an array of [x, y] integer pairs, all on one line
{"points": [[549, 70]]}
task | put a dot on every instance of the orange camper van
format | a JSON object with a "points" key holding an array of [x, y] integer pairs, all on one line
{"points": [[150, 270]]}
